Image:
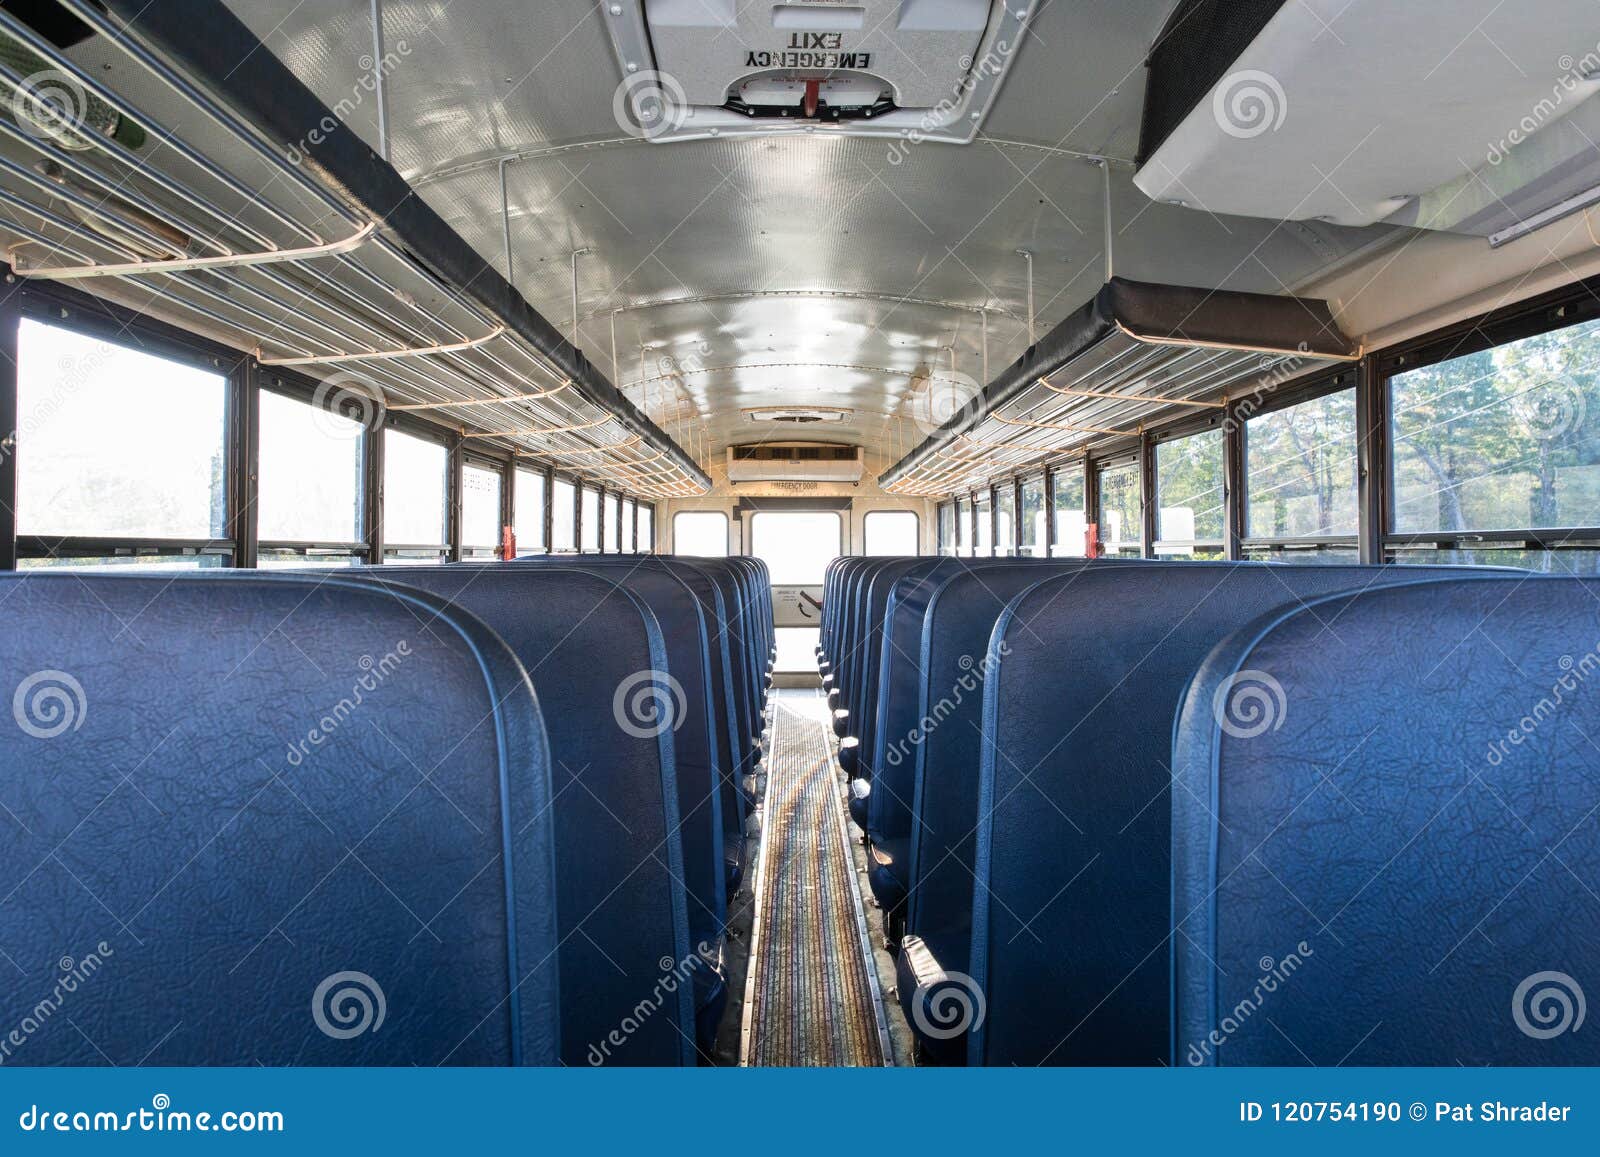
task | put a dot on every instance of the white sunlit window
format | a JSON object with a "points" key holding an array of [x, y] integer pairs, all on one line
{"points": [[529, 523], [115, 443], [415, 484], [629, 517], [890, 532], [480, 511], [589, 521], [310, 471], [796, 545], [646, 539], [613, 524], [702, 533], [563, 516]]}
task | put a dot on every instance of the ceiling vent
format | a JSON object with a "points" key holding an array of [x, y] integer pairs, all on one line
{"points": [[910, 69], [798, 415], [771, 462]]}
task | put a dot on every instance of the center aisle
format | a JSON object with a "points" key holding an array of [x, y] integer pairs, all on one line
{"points": [[813, 998]]}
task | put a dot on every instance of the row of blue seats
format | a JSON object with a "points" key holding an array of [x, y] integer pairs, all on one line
{"points": [[1226, 813], [471, 814]]}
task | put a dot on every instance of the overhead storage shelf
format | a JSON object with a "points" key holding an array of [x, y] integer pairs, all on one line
{"points": [[260, 220], [1135, 350]]}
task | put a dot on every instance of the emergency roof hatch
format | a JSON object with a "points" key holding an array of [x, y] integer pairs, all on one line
{"points": [[909, 68]]}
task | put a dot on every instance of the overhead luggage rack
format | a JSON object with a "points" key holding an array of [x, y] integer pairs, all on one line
{"points": [[1137, 349], [261, 221]]}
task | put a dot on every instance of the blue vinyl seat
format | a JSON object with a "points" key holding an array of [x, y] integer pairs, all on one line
{"points": [[1400, 827], [270, 820], [590, 647]]}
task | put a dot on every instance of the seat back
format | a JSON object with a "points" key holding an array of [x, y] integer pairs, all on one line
{"points": [[1390, 855], [270, 819], [1073, 783], [594, 651]]}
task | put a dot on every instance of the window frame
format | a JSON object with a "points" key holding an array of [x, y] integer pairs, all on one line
{"points": [[1183, 550], [97, 320], [491, 465], [1569, 306], [427, 432], [1315, 388]]}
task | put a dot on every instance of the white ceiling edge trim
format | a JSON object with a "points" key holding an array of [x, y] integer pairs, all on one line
{"points": [[1438, 279], [1345, 110]]}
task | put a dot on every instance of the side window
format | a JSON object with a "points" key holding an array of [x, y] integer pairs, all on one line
{"points": [[589, 521], [415, 486], [480, 511], [115, 443], [703, 533], [530, 512], [891, 532], [1030, 519], [613, 523], [563, 516], [1121, 522], [629, 523], [1190, 511], [1071, 524]]}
